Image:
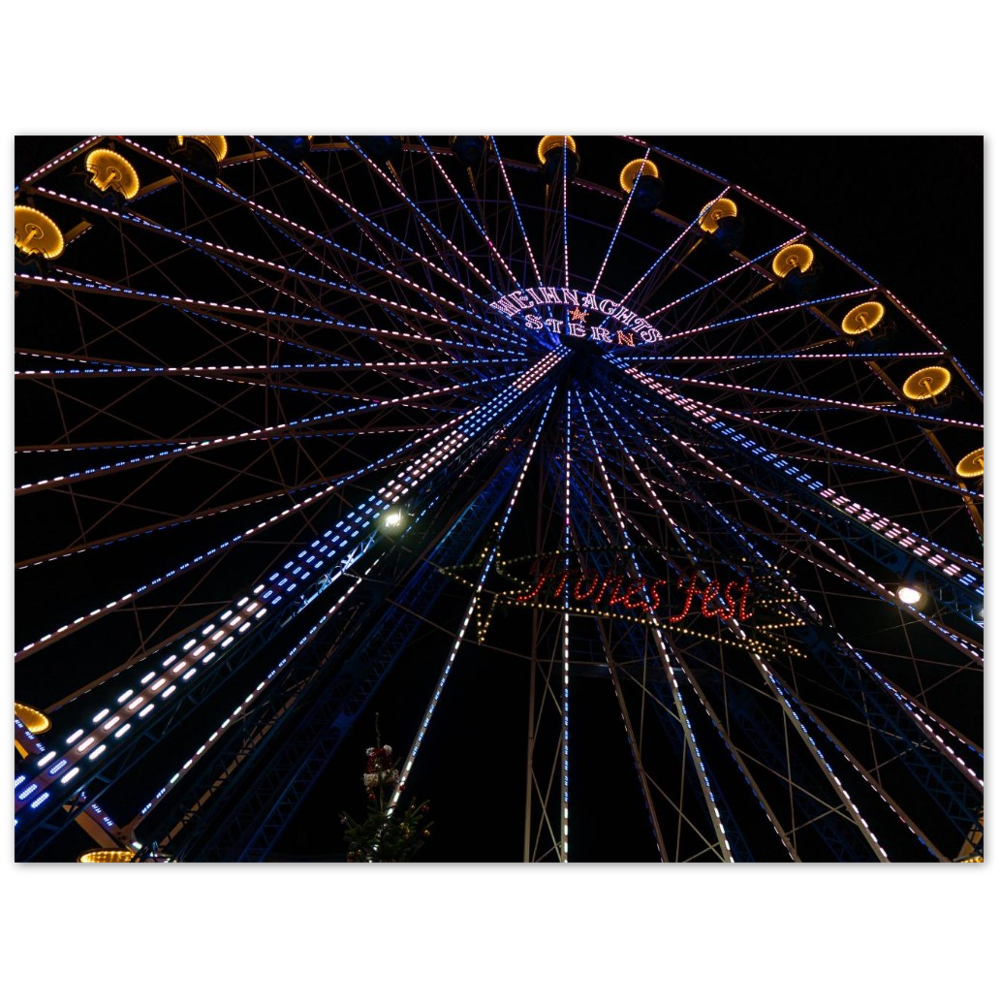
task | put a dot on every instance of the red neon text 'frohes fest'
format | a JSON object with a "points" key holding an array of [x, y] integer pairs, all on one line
{"points": [[709, 598]]}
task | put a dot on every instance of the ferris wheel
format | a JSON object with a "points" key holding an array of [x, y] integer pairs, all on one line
{"points": [[300, 418]]}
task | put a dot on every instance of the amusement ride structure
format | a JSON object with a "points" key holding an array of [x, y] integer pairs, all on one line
{"points": [[298, 418]]}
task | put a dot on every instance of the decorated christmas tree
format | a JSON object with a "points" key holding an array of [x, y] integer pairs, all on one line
{"points": [[385, 833]]}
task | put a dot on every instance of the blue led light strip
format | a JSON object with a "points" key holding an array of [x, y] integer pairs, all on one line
{"points": [[666, 253], [723, 277], [564, 750], [517, 212], [873, 522], [664, 655], [751, 317], [311, 178], [488, 561], [124, 368], [857, 458], [618, 226], [657, 506], [811, 611], [223, 254], [565, 202], [833, 404], [424, 218], [803, 355], [349, 538], [262, 434], [678, 159]]}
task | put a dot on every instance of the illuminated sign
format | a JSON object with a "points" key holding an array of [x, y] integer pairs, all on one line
{"points": [[731, 609], [711, 598], [582, 315]]}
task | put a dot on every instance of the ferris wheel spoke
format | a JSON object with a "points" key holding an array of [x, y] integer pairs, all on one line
{"points": [[695, 754], [488, 560], [564, 754], [401, 342], [514, 205], [748, 266], [690, 331], [872, 526], [787, 836], [436, 236], [853, 458], [806, 354], [617, 229], [494, 252], [656, 275], [171, 522], [366, 225], [261, 434], [565, 210], [813, 402], [46, 168]]}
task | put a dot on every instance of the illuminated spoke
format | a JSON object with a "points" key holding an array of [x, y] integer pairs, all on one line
{"points": [[517, 213]]}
